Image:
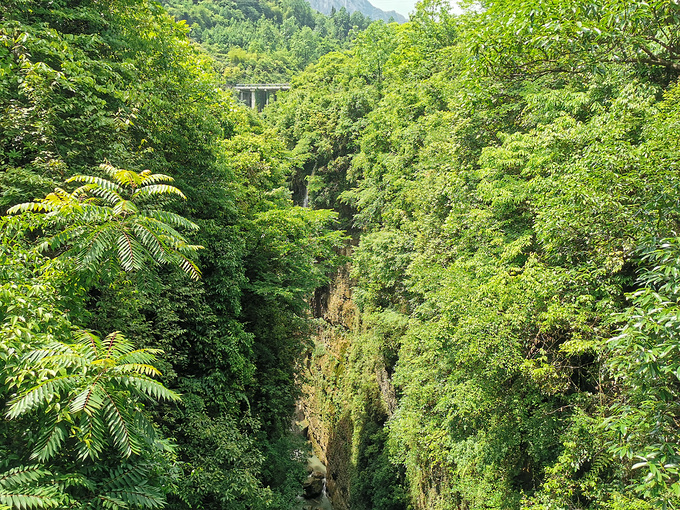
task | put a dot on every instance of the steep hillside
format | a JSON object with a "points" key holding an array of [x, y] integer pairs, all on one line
{"points": [[511, 336], [264, 41], [154, 306]]}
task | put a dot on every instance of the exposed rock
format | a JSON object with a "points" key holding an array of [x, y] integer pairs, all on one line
{"points": [[313, 486], [314, 465], [387, 391], [330, 431], [303, 428]]}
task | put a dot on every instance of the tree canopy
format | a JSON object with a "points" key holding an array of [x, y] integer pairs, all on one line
{"points": [[510, 175], [498, 330], [149, 252]]}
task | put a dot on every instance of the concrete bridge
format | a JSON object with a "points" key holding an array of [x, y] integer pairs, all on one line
{"points": [[250, 92]]}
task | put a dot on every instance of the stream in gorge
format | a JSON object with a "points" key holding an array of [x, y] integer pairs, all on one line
{"points": [[315, 495]]}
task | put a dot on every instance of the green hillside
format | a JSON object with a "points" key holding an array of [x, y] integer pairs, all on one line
{"points": [[261, 41], [151, 175], [511, 176]]}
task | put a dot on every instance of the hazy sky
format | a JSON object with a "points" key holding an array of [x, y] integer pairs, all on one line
{"points": [[405, 7], [401, 6]]}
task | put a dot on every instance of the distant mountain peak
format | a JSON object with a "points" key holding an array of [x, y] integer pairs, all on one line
{"points": [[363, 6]]}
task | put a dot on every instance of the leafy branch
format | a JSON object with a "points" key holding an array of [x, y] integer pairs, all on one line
{"points": [[94, 383], [110, 220]]}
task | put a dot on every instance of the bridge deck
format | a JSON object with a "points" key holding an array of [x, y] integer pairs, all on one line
{"points": [[262, 86]]}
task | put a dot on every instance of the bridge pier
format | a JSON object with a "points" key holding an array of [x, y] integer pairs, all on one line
{"points": [[247, 92]]}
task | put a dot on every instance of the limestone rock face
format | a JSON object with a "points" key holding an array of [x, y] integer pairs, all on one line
{"points": [[330, 430], [342, 364]]}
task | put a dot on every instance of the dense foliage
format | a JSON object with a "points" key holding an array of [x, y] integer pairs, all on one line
{"points": [[505, 335], [512, 177], [152, 233], [264, 41]]}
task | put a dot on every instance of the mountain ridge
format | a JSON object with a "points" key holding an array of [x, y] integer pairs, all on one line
{"points": [[363, 6]]}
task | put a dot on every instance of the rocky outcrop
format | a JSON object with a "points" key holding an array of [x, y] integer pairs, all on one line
{"points": [[313, 485], [387, 392], [348, 397], [328, 430]]}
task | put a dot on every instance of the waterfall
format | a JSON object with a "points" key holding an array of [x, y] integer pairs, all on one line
{"points": [[305, 199]]}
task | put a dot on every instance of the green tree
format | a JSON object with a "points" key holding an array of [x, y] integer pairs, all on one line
{"points": [[508, 164], [526, 38], [373, 47], [646, 366], [75, 430]]}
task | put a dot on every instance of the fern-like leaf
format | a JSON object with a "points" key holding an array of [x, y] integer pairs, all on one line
{"points": [[40, 395], [139, 368], [29, 207], [149, 178], [89, 400], [27, 500], [127, 178], [98, 182], [125, 207], [187, 265], [93, 213], [96, 246], [50, 442], [90, 345], [93, 433], [128, 485], [137, 356], [157, 189], [151, 242], [131, 253], [22, 475], [60, 200], [117, 345], [118, 427], [96, 384], [102, 219], [21, 489], [51, 351], [143, 496], [170, 218], [63, 238], [147, 387]]}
